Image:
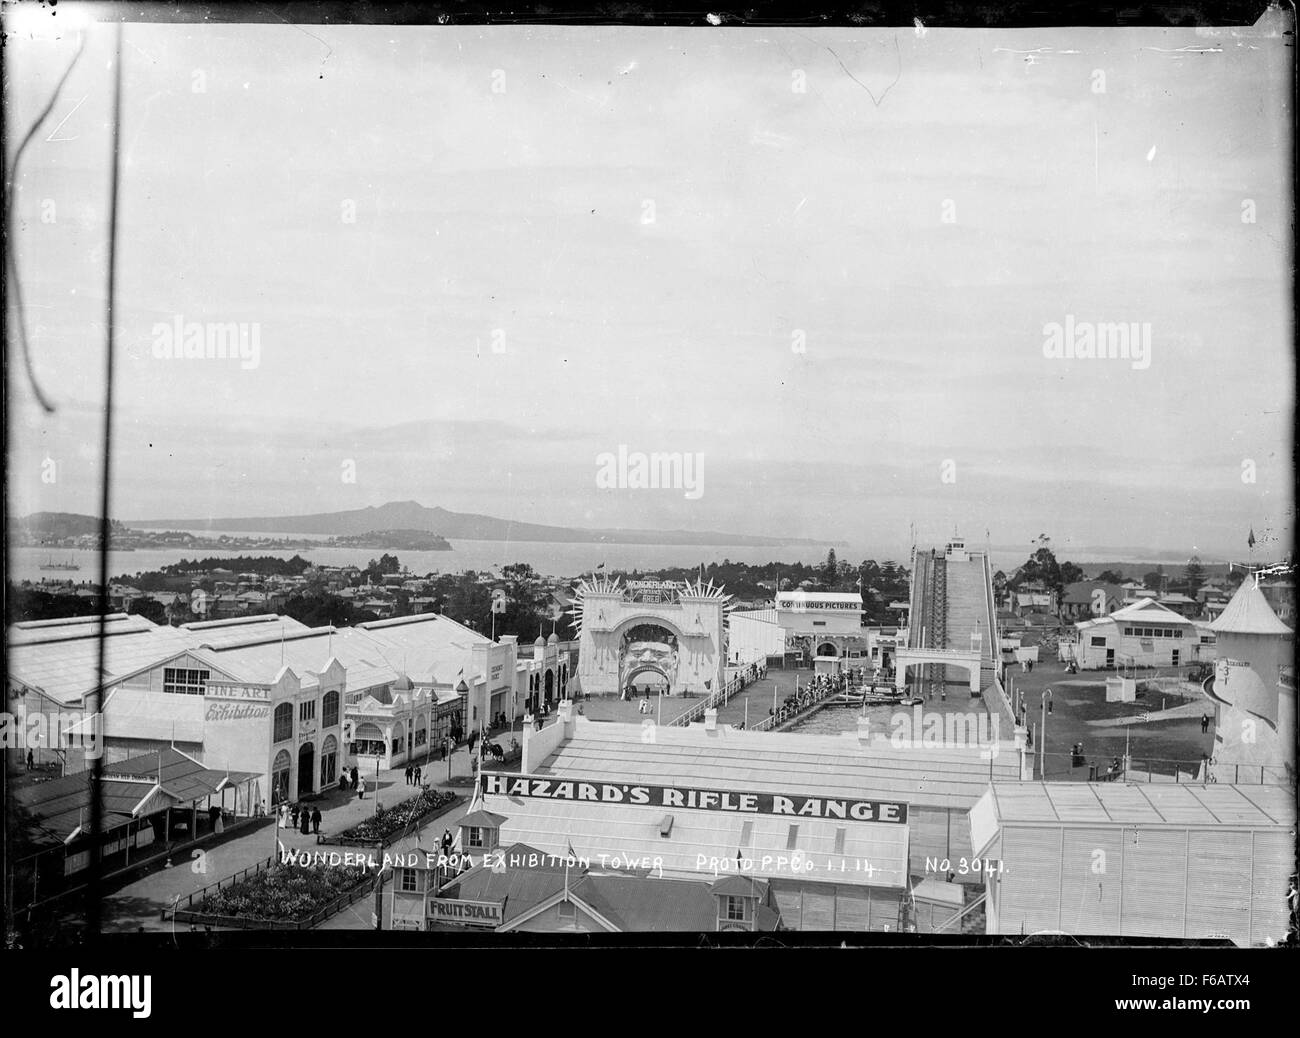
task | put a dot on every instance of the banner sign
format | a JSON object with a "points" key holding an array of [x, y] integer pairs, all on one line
{"points": [[222, 690], [471, 913], [795, 604], [687, 797], [653, 591]]}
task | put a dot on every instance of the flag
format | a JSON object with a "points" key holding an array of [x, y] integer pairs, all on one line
{"points": [[739, 859], [572, 853], [1250, 541], [601, 566]]}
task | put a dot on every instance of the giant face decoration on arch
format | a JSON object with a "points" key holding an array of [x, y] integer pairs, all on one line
{"points": [[648, 647]]}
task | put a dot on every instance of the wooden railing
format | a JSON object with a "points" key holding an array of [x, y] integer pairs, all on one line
{"points": [[806, 703], [720, 697]]}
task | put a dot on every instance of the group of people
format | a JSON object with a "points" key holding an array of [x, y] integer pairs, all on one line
{"points": [[352, 780], [413, 773], [296, 816]]}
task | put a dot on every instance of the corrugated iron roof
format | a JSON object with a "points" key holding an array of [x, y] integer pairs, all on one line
{"points": [[1162, 803]]}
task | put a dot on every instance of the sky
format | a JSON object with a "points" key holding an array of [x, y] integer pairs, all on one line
{"points": [[825, 261]]}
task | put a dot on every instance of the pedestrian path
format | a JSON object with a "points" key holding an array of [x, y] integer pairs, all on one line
{"points": [[139, 905], [1173, 713]]}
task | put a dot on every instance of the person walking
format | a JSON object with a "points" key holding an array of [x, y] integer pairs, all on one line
{"points": [[31, 760], [306, 821], [1205, 722], [315, 820], [354, 778], [446, 842], [410, 772], [361, 789], [418, 772], [294, 814]]}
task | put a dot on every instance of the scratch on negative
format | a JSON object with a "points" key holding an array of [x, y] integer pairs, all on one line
{"points": [[899, 75]]}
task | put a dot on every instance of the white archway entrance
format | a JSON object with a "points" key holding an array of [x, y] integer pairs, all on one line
{"points": [[675, 630]]}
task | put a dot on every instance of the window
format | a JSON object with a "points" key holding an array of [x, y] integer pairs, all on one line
{"points": [[1178, 633], [421, 736], [283, 723], [792, 838], [410, 881], [307, 710], [819, 623], [329, 710], [1099, 642], [475, 837], [839, 841], [746, 833], [183, 682], [734, 909], [1128, 632]]}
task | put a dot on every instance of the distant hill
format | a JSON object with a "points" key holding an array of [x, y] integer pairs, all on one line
{"points": [[57, 526], [411, 515], [399, 540]]}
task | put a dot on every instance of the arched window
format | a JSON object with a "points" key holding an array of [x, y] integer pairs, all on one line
{"points": [[280, 777], [329, 756], [329, 710], [283, 723]]}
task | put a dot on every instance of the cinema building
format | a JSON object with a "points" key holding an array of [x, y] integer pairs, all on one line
{"points": [[835, 830], [822, 624]]}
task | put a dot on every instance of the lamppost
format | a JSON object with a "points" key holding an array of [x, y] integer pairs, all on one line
{"points": [[462, 690], [1045, 707]]}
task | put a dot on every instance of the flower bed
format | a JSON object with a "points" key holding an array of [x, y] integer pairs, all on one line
{"points": [[380, 828], [282, 893]]}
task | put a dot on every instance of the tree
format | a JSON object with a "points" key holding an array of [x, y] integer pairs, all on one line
{"points": [[1110, 576], [831, 570], [1040, 567], [150, 609], [1071, 573], [377, 570], [1154, 580], [1194, 576]]}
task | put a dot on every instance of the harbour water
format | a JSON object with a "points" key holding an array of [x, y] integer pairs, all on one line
{"points": [[556, 559]]}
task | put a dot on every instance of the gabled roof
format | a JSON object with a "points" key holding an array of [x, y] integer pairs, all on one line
{"points": [[63, 660], [59, 808], [482, 820], [1080, 592], [1148, 610], [1249, 613]]}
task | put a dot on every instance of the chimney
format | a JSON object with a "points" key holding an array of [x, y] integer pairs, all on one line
{"points": [[711, 720]]}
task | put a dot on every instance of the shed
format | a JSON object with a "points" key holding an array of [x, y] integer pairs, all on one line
{"points": [[1180, 861]]}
